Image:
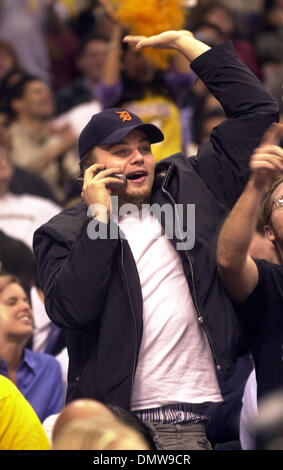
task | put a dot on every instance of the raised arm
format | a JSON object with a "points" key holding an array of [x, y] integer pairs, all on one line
{"points": [[236, 268], [182, 41], [223, 161]]}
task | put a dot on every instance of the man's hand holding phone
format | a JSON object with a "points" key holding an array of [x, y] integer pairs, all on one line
{"points": [[97, 189]]}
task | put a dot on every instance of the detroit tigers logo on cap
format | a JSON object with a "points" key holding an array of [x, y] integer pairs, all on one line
{"points": [[124, 115], [110, 126]]}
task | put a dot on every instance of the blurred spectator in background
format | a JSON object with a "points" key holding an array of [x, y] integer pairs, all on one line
{"points": [[92, 17], [267, 427], [38, 376], [36, 144], [99, 433], [10, 71], [22, 181], [21, 215], [249, 412], [47, 337], [268, 39], [20, 428], [86, 409], [8, 59], [223, 429], [16, 258], [256, 284], [220, 16], [78, 101], [132, 81], [22, 24], [6, 117], [82, 409], [62, 45], [90, 63], [261, 423], [206, 115], [261, 247]]}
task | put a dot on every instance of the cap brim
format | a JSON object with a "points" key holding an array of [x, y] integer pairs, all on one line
{"points": [[152, 132]]}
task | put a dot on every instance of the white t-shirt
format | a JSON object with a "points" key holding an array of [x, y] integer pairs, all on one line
{"points": [[248, 413], [175, 362], [21, 215]]}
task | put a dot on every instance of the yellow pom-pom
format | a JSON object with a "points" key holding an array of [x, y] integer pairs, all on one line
{"points": [[148, 18]]}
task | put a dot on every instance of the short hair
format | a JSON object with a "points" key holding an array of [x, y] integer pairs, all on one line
{"points": [[267, 202], [6, 280], [89, 38], [85, 162], [17, 90], [99, 433]]}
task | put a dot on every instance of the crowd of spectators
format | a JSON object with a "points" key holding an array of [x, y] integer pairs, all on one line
{"points": [[60, 63]]}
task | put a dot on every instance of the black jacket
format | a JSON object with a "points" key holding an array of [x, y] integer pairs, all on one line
{"points": [[92, 287]]}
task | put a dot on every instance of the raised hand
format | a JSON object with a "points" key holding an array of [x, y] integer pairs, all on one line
{"points": [[182, 41], [267, 160], [166, 40], [95, 192]]}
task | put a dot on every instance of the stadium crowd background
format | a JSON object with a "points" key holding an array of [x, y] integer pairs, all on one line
{"points": [[60, 63]]}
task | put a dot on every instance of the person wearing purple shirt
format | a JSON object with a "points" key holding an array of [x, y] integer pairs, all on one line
{"points": [[38, 376]]}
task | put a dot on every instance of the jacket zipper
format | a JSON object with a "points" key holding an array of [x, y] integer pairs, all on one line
{"points": [[134, 317], [198, 314]]}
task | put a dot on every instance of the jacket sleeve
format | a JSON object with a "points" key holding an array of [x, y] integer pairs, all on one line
{"points": [[73, 275], [223, 161]]}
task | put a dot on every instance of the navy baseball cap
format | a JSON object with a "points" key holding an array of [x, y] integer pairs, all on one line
{"points": [[111, 126]]}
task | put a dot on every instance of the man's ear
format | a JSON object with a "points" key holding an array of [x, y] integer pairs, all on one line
{"points": [[269, 233]]}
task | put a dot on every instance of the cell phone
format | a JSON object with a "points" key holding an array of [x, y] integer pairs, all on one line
{"points": [[112, 185], [121, 177]]}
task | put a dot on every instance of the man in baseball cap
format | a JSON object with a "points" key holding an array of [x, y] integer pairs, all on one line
{"points": [[147, 319], [117, 141], [111, 126]]}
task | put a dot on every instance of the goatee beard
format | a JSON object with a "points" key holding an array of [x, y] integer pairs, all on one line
{"points": [[136, 199]]}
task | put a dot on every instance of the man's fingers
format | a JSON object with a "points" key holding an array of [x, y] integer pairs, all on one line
{"points": [[112, 181], [133, 40], [165, 40], [261, 157], [97, 170], [90, 171], [96, 175], [271, 149], [142, 41], [104, 173], [266, 164]]}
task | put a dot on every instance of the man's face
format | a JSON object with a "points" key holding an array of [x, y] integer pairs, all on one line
{"points": [[16, 318], [37, 100], [134, 158], [138, 67], [92, 60], [275, 230]]}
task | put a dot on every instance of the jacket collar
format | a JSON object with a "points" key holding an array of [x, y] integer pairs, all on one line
{"points": [[163, 171]]}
